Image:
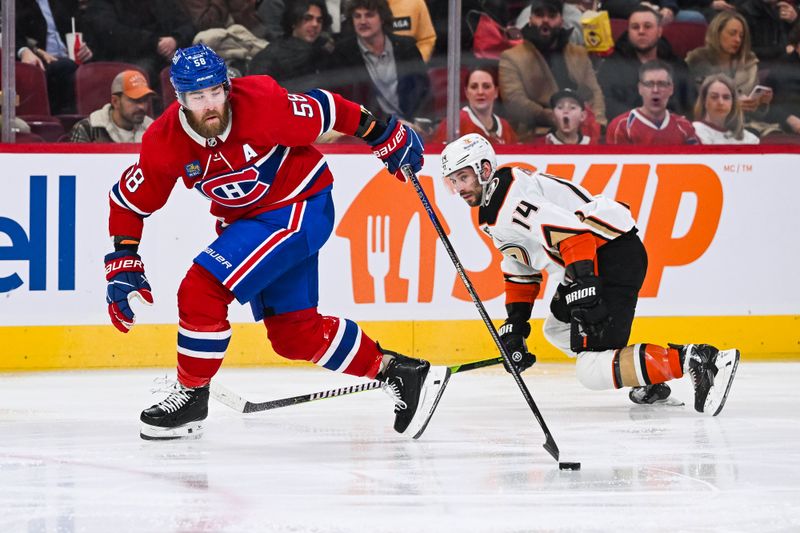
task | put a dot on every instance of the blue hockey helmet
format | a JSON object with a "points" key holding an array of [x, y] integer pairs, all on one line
{"points": [[197, 67]]}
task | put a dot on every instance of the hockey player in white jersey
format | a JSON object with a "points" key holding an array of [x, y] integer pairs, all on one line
{"points": [[542, 222]]}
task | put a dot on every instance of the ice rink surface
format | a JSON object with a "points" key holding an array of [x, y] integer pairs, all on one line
{"points": [[71, 458]]}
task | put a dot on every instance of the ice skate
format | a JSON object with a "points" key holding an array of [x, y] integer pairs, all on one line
{"points": [[712, 373], [178, 416], [657, 394], [416, 387]]}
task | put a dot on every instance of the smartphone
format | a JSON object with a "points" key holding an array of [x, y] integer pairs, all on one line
{"points": [[758, 90]]}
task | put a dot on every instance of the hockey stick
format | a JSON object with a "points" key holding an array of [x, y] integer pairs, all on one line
{"points": [[549, 444], [237, 403]]}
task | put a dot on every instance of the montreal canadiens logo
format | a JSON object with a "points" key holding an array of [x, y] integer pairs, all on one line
{"points": [[237, 189]]}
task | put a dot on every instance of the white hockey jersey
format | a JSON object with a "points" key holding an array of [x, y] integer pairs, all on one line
{"points": [[528, 214]]}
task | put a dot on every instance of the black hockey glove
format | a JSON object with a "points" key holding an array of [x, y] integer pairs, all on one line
{"points": [[513, 335], [584, 298]]}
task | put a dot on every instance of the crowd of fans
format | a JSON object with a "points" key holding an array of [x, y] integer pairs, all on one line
{"points": [[741, 86]]}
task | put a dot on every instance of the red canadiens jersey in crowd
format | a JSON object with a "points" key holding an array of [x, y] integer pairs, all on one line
{"points": [[262, 161], [634, 128], [470, 123]]}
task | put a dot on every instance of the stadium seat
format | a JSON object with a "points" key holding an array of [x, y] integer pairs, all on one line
{"points": [[685, 37], [48, 130], [93, 84], [67, 121], [438, 77], [618, 27], [31, 86], [682, 36], [167, 91], [781, 138], [23, 138]]}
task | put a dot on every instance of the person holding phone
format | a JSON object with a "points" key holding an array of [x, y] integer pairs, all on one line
{"points": [[728, 51], [785, 77]]}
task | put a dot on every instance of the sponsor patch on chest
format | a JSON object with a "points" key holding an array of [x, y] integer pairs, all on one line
{"points": [[193, 169]]}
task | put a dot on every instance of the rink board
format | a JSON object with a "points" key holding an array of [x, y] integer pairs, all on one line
{"points": [[720, 229]]}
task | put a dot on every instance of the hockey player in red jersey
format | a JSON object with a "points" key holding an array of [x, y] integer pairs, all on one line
{"points": [[543, 222], [652, 123], [245, 144]]}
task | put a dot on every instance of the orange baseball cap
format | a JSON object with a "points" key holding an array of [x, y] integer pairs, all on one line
{"points": [[132, 84]]}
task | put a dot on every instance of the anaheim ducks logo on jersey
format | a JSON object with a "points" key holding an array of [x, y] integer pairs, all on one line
{"points": [[246, 186], [494, 196]]}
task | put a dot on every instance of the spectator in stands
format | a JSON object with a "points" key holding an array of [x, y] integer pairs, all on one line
{"points": [[478, 115], [532, 71], [305, 50], [41, 27], [622, 9], [652, 123], [411, 18], [769, 22], [727, 51], [618, 74], [785, 78], [143, 33], [702, 11], [18, 125], [229, 27], [382, 70], [720, 119], [124, 120], [271, 14], [570, 112], [208, 14], [571, 14]]}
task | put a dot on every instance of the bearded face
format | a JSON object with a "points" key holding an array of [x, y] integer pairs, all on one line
{"points": [[545, 27], [210, 122]]}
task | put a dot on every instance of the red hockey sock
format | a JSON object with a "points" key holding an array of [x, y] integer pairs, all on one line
{"points": [[204, 331], [335, 343]]}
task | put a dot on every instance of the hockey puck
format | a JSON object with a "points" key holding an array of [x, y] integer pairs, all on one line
{"points": [[569, 466]]}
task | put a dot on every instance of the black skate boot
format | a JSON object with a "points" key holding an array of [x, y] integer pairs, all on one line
{"points": [[650, 394], [177, 416], [415, 386], [712, 374]]}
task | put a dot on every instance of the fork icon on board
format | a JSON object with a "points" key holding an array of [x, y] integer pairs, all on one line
{"points": [[378, 253]]}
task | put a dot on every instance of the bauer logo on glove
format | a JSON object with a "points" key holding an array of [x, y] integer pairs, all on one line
{"points": [[398, 146], [398, 140], [126, 282]]}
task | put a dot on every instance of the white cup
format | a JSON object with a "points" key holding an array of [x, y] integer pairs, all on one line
{"points": [[71, 38]]}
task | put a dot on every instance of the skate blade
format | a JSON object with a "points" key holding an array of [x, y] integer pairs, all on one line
{"points": [[433, 388], [722, 382], [192, 430]]}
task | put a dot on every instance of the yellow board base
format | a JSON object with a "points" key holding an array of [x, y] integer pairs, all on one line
{"points": [[442, 342]]}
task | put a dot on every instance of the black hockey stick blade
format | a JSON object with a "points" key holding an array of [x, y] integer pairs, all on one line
{"points": [[236, 402], [549, 444]]}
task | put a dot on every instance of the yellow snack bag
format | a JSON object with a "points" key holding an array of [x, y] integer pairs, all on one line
{"points": [[597, 31]]}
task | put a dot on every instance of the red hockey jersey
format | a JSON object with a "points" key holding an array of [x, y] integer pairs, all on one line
{"points": [[262, 161], [470, 123], [634, 128]]}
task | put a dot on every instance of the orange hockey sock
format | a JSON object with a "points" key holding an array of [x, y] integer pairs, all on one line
{"points": [[645, 364]]}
